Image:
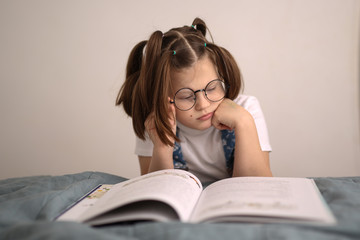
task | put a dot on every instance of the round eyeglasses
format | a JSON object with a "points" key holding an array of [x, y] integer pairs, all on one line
{"points": [[185, 98]]}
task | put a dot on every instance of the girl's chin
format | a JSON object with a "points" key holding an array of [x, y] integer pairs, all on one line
{"points": [[197, 125]]}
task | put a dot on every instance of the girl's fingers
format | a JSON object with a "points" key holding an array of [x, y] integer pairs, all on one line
{"points": [[218, 125], [227, 115]]}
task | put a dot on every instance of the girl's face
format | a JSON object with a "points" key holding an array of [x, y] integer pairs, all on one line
{"points": [[196, 77]]}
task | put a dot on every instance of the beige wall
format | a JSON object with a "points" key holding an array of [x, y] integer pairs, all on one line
{"points": [[62, 63]]}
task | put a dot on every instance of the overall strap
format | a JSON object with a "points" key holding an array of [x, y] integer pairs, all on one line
{"points": [[228, 142], [179, 162]]}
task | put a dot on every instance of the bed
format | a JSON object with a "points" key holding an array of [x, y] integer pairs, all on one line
{"points": [[28, 206]]}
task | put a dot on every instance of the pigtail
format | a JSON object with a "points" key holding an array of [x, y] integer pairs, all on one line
{"points": [[136, 94], [200, 25], [143, 95], [132, 74], [228, 69], [161, 102]]}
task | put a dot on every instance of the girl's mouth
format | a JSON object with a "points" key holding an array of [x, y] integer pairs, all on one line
{"points": [[206, 117]]}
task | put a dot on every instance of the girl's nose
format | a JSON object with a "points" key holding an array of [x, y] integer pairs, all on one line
{"points": [[201, 101]]}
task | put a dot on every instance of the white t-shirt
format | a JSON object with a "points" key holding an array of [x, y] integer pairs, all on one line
{"points": [[203, 150]]}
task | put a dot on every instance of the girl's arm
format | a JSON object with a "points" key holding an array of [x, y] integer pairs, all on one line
{"points": [[249, 159], [162, 157], [144, 164], [162, 160]]}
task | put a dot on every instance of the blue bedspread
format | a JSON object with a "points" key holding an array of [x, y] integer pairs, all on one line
{"points": [[28, 206]]}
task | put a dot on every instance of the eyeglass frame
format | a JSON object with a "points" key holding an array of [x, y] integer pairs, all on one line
{"points": [[201, 90]]}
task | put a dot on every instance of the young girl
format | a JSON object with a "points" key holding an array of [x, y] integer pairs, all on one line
{"points": [[182, 93]]}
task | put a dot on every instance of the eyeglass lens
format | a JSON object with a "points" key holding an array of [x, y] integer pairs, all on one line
{"points": [[214, 91]]}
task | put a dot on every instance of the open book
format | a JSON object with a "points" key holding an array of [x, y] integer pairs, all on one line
{"points": [[177, 195]]}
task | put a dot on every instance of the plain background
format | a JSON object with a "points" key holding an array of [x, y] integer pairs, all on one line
{"points": [[63, 62]]}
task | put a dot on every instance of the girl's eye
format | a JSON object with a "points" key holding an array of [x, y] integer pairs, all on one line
{"points": [[184, 97], [215, 85], [211, 88]]}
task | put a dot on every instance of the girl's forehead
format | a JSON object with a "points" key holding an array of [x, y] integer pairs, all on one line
{"points": [[195, 76], [183, 76]]}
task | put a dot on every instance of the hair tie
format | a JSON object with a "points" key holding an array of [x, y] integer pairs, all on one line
{"points": [[193, 26], [174, 53], [205, 44]]}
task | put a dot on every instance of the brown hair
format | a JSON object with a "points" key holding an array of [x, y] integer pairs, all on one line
{"points": [[147, 84]]}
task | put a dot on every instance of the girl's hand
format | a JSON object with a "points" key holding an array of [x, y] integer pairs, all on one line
{"points": [[229, 115], [151, 129]]}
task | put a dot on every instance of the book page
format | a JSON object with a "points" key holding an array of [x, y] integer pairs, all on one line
{"points": [[138, 211], [73, 212], [177, 188], [256, 197]]}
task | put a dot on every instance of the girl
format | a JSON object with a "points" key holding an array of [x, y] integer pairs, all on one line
{"points": [[182, 93]]}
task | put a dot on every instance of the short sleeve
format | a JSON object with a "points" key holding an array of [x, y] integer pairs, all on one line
{"points": [[143, 148], [252, 105]]}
